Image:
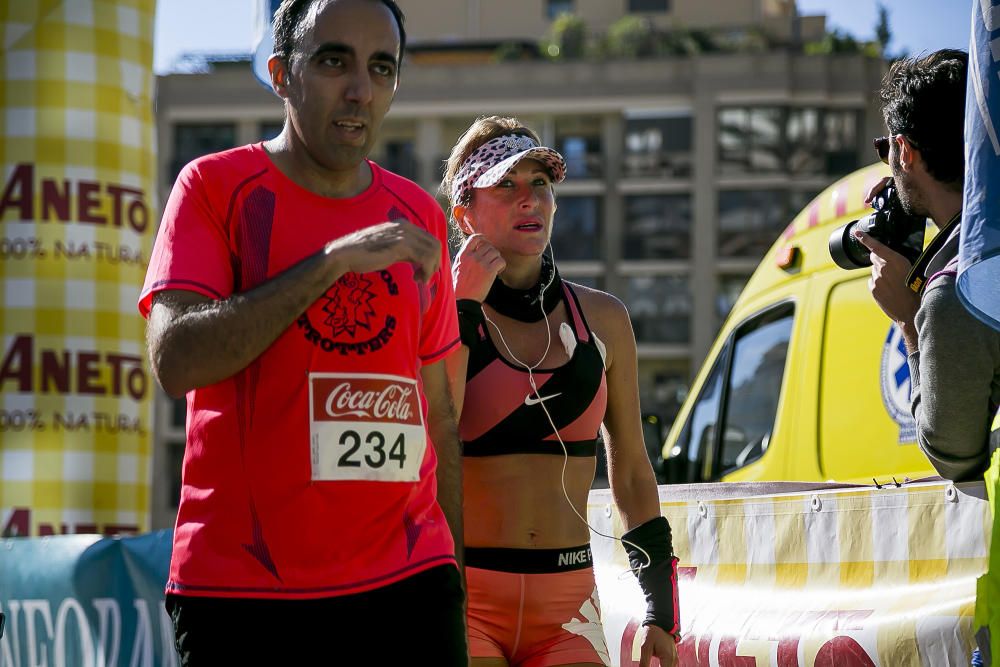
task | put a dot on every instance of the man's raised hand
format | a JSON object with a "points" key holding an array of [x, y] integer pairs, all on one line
{"points": [[380, 246]]}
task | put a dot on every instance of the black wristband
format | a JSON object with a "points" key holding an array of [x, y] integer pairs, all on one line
{"points": [[658, 574], [470, 320]]}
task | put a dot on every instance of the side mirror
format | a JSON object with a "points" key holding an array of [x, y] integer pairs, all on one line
{"points": [[677, 469]]}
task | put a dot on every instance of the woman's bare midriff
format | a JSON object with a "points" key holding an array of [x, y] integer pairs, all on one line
{"points": [[517, 501]]}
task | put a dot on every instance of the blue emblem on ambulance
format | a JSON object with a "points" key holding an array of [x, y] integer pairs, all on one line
{"points": [[896, 385]]}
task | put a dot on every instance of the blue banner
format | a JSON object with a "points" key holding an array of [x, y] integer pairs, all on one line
{"points": [[979, 254], [86, 601], [264, 39]]}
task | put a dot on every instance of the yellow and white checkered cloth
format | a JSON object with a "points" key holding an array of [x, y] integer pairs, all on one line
{"points": [[889, 572], [76, 228]]}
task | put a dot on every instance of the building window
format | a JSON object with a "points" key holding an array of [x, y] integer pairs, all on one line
{"points": [[579, 141], [175, 463], [730, 288], [660, 307], [799, 140], [553, 8], [594, 282], [657, 227], [766, 148], [663, 386], [192, 140], [805, 142], [178, 414], [400, 157], [734, 155], [576, 231], [648, 5], [174, 438], [750, 221], [751, 140], [270, 129], [658, 146], [841, 141]]}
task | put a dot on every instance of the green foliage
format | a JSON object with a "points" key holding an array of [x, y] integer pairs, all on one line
{"points": [[752, 40], [676, 43], [509, 52], [835, 41], [567, 38], [883, 34], [632, 37]]}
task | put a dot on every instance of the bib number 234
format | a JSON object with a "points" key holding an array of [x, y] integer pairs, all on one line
{"points": [[365, 427]]}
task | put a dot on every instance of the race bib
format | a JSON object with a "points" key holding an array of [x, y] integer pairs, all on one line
{"points": [[365, 427]]}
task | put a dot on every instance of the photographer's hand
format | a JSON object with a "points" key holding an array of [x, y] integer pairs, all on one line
{"points": [[876, 189], [889, 289]]}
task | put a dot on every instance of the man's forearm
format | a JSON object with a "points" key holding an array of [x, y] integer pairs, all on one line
{"points": [[449, 480], [209, 342], [443, 431], [193, 345]]}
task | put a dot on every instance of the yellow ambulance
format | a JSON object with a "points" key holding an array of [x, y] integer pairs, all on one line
{"points": [[808, 379]]}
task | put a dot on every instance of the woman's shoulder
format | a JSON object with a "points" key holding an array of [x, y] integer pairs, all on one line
{"points": [[597, 305]]}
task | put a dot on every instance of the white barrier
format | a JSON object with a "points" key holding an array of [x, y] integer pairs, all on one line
{"points": [[787, 575]]}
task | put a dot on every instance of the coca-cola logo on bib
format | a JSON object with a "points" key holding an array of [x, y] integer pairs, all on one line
{"points": [[365, 399]]}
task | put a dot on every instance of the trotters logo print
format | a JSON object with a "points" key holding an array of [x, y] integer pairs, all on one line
{"points": [[350, 306], [352, 317], [365, 427]]}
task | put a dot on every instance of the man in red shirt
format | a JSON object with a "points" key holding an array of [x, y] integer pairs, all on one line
{"points": [[300, 296]]}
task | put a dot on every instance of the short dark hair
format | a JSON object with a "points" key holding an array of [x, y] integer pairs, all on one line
{"points": [[923, 99], [288, 25]]}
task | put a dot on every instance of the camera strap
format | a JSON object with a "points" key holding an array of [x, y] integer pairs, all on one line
{"points": [[945, 244]]}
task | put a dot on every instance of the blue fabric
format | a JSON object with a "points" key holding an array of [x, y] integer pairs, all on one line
{"points": [[86, 600], [264, 28], [979, 253]]}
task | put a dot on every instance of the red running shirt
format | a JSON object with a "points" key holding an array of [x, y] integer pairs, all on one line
{"points": [[310, 473]]}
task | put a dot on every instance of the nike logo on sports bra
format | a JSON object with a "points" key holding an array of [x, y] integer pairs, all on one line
{"points": [[531, 400]]}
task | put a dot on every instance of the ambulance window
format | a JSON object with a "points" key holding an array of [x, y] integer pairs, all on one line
{"points": [[754, 387], [698, 436]]}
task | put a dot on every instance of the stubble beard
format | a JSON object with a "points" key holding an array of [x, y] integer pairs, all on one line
{"points": [[909, 195]]}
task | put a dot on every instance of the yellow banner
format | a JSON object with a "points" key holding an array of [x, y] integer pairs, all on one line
{"points": [[855, 577], [77, 218]]}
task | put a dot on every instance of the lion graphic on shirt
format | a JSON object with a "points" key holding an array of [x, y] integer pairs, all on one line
{"points": [[349, 305]]}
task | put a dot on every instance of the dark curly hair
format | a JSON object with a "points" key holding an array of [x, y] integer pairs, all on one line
{"points": [[923, 99], [288, 26]]}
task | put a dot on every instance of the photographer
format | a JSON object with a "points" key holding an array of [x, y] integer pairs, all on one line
{"points": [[954, 358]]}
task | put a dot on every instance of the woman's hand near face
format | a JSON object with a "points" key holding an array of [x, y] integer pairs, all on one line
{"points": [[475, 268]]}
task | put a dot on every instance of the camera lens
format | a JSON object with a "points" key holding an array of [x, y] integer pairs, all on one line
{"points": [[845, 250]]}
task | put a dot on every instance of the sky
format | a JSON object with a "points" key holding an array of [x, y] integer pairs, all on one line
{"points": [[226, 26]]}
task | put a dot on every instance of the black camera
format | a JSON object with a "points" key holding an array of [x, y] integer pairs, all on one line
{"points": [[889, 224]]}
